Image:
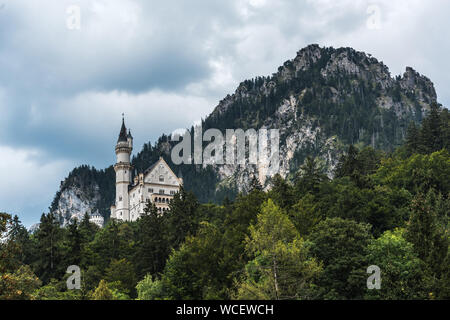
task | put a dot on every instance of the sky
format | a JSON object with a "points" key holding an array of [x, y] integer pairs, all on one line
{"points": [[69, 69]]}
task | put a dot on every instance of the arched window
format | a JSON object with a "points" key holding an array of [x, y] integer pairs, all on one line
{"points": [[161, 178]]}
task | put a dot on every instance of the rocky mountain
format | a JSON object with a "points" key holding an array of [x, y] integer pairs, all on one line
{"points": [[322, 101]]}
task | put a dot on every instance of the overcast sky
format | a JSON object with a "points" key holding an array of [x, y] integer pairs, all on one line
{"points": [[166, 64]]}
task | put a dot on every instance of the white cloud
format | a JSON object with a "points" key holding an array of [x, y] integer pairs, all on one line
{"points": [[28, 178]]}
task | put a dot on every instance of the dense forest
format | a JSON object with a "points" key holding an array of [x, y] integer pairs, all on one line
{"points": [[312, 238]]}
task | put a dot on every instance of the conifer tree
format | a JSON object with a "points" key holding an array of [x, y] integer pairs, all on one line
{"points": [[181, 217], [309, 177], [412, 138], [102, 292], [429, 237], [151, 246], [281, 192], [49, 237], [430, 134], [74, 243]]}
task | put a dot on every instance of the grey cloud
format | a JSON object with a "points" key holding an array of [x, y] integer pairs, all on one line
{"points": [[168, 64]]}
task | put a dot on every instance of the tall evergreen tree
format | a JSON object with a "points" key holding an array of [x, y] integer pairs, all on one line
{"points": [[429, 237], [309, 177], [430, 134], [181, 217], [412, 138], [49, 240], [74, 243], [152, 246], [281, 192]]}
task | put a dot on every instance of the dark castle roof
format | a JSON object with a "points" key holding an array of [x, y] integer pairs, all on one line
{"points": [[123, 132]]}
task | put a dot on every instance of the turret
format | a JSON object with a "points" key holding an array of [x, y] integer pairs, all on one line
{"points": [[123, 169]]}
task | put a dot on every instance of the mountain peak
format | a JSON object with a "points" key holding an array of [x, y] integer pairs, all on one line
{"points": [[322, 101]]}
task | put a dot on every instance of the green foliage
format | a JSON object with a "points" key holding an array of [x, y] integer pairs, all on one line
{"points": [[102, 292], [433, 135], [56, 290], [51, 249], [18, 285], [195, 271], [281, 267], [430, 238], [152, 247], [403, 274], [305, 214], [418, 173], [182, 217], [282, 193], [309, 177], [121, 272], [341, 246], [149, 289], [311, 240]]}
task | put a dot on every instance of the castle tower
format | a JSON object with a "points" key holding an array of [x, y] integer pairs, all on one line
{"points": [[124, 146]]}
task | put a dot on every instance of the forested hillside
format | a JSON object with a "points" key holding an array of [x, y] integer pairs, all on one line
{"points": [[322, 101], [309, 237]]}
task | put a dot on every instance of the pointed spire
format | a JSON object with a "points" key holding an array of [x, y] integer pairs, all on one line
{"points": [[123, 131]]}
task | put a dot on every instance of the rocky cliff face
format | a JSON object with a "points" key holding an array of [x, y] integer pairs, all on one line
{"points": [[321, 101], [73, 204], [85, 190]]}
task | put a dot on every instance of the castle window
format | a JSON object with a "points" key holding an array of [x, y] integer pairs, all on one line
{"points": [[120, 198], [150, 190], [161, 191], [161, 178], [172, 192]]}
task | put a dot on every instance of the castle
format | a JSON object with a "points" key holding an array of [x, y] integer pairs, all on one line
{"points": [[158, 183]]}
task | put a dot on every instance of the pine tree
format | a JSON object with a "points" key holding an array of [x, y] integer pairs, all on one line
{"points": [[152, 247], [74, 243], [181, 217], [19, 238], [412, 138], [309, 177], [281, 192], [49, 237], [102, 292], [430, 134], [348, 163], [426, 233], [255, 185]]}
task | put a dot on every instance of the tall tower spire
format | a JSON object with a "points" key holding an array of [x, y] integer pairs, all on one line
{"points": [[123, 168]]}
